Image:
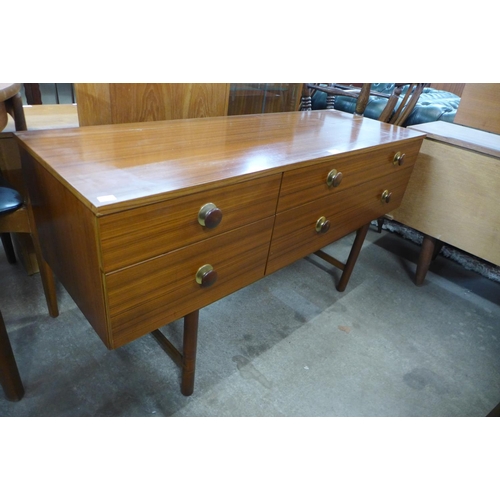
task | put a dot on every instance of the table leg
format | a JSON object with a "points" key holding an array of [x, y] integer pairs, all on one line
{"points": [[353, 256], [189, 352], [9, 374], [187, 358], [427, 253]]}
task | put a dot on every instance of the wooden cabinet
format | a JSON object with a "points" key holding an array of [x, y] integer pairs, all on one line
{"points": [[122, 210]]}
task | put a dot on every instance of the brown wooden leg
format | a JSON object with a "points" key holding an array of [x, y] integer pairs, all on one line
{"points": [[9, 374], [353, 256], [187, 359], [189, 352], [380, 224], [18, 112], [424, 259]]}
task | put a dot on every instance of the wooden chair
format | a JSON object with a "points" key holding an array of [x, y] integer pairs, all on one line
{"points": [[16, 215], [396, 111]]}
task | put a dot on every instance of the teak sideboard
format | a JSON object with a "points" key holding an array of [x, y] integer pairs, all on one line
{"points": [[146, 223]]}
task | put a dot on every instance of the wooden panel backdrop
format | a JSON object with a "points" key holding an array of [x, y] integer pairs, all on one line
{"points": [[107, 103]]}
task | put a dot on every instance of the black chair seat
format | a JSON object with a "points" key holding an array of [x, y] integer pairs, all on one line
{"points": [[10, 200]]}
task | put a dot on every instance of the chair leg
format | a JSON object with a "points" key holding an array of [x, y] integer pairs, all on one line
{"points": [[9, 248], [10, 379]]}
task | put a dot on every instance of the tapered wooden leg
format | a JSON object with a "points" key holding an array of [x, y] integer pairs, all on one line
{"points": [[186, 359], [353, 256], [424, 259], [189, 352], [10, 379]]}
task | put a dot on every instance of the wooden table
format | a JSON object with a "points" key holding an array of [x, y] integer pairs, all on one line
{"points": [[147, 223], [452, 195]]}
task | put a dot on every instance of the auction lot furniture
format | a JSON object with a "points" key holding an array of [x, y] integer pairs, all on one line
{"points": [[452, 195], [146, 223]]}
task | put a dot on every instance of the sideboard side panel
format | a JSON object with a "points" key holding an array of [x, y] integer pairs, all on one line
{"points": [[68, 238]]}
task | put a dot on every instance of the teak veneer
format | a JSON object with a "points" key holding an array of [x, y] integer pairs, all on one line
{"points": [[124, 210]]}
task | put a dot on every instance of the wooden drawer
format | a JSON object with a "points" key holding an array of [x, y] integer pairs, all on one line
{"points": [[151, 294], [308, 184], [295, 234], [135, 235]]}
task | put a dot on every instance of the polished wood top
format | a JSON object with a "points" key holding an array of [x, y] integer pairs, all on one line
{"points": [[459, 135], [114, 167]]}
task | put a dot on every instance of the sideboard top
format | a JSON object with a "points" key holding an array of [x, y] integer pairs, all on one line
{"points": [[114, 167]]}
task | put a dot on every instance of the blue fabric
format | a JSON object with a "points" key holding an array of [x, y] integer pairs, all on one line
{"points": [[433, 105]]}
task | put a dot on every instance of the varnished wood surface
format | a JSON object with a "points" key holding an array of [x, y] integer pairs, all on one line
{"points": [[107, 103], [308, 184], [480, 107], [295, 236], [113, 167], [161, 172], [140, 234], [161, 290], [460, 135]]}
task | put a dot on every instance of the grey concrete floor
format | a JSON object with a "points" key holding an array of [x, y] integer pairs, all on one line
{"points": [[288, 345]]}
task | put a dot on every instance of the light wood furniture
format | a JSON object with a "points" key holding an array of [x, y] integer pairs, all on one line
{"points": [[145, 224], [107, 103], [452, 195], [480, 107]]}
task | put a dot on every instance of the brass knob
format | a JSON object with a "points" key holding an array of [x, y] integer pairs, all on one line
{"points": [[322, 225], [206, 276], [334, 178], [209, 215], [399, 158], [386, 196]]}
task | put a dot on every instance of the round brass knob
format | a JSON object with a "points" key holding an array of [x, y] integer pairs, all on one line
{"points": [[209, 215], [206, 276], [386, 196], [334, 178], [322, 225], [399, 158]]}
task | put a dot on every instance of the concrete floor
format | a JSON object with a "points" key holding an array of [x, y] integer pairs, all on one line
{"points": [[289, 345]]}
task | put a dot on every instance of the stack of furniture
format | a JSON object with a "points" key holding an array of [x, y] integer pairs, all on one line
{"points": [[452, 195]]}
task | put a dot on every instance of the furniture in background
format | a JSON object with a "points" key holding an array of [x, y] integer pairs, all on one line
{"points": [[37, 118], [254, 98], [207, 207], [16, 215], [397, 107], [432, 105], [480, 107], [107, 103], [452, 195]]}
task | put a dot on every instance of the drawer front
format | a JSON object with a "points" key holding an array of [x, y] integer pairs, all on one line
{"points": [[146, 296], [295, 234], [136, 235], [308, 184]]}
